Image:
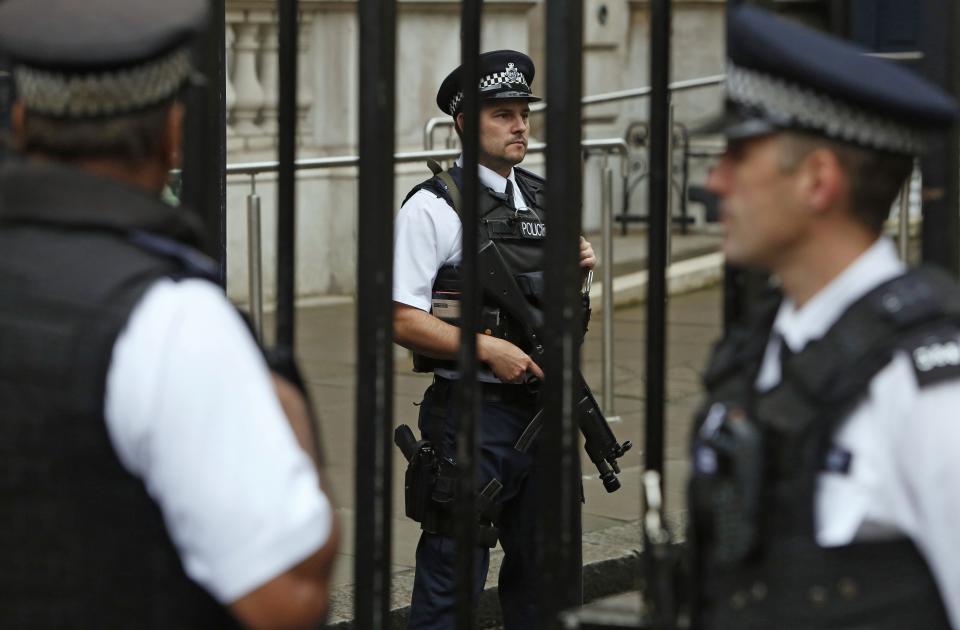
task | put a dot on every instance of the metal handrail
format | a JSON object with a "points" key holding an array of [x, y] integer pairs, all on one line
{"points": [[605, 146], [596, 99], [609, 145]]}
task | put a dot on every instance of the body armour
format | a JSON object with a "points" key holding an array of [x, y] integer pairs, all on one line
{"points": [[757, 457], [83, 544], [518, 235]]}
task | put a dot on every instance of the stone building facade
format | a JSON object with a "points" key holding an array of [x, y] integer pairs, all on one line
{"points": [[616, 57]]}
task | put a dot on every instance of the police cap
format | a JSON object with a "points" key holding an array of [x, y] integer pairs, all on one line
{"points": [[781, 75], [504, 74], [95, 58]]}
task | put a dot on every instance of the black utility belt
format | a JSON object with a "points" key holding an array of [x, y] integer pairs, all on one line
{"points": [[496, 392]]}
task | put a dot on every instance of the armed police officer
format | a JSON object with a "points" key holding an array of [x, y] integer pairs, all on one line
{"points": [[426, 282], [825, 456], [152, 472]]}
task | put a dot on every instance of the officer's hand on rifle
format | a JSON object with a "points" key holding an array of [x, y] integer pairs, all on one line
{"points": [[509, 363], [588, 260]]}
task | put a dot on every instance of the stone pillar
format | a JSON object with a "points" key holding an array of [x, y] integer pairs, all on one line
{"points": [[230, 93], [250, 94], [333, 69], [305, 76], [270, 74]]}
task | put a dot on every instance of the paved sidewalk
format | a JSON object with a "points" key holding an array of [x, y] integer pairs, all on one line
{"points": [[327, 348]]}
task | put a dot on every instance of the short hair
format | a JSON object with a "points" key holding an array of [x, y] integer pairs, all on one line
{"points": [[132, 137], [876, 177]]}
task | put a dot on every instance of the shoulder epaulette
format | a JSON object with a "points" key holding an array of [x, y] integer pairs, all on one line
{"points": [[935, 356]]}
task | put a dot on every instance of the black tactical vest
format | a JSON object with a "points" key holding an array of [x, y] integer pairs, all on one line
{"points": [[82, 543], [519, 235], [757, 457]]}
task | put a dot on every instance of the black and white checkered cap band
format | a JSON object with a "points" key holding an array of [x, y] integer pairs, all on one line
{"points": [[492, 82], [810, 109], [102, 93]]}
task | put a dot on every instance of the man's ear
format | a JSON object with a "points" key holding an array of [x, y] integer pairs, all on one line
{"points": [[173, 135], [458, 121], [825, 181], [18, 122]]}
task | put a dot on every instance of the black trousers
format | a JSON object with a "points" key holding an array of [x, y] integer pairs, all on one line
{"points": [[501, 423]]}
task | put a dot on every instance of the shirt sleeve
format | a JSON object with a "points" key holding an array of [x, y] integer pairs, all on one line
{"points": [[427, 237], [191, 410], [929, 463]]}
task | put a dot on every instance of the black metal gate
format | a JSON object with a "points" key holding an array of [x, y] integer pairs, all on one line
{"points": [[560, 532], [558, 448], [560, 536]]}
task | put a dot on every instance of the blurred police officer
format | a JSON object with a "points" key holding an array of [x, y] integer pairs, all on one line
{"points": [[148, 474], [426, 273], [825, 458]]}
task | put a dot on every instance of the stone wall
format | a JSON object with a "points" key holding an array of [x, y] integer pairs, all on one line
{"points": [[616, 36]]}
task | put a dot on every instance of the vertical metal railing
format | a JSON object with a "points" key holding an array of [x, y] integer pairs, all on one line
{"points": [[904, 206], [668, 210], [903, 220], [606, 263], [374, 394], [255, 260], [468, 438], [558, 456], [658, 207]]}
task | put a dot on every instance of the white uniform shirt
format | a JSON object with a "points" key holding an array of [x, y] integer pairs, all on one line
{"points": [[428, 235], [191, 410], [904, 441]]}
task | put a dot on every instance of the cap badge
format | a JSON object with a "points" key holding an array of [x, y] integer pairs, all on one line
{"points": [[512, 75]]}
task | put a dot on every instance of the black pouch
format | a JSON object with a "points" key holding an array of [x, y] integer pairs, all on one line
{"points": [[726, 485], [444, 490], [421, 472], [418, 483]]}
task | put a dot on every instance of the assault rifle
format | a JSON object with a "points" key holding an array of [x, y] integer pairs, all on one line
{"points": [[599, 442]]}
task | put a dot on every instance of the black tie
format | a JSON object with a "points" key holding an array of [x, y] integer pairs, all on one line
{"points": [[785, 355], [508, 193]]}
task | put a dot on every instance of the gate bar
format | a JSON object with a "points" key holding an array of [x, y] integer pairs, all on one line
{"points": [[940, 164], [559, 461], [286, 184], [374, 402], [658, 207], [204, 185], [468, 438]]}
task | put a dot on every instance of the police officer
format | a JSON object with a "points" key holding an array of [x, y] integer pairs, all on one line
{"points": [[153, 474], [427, 253], [825, 457]]}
